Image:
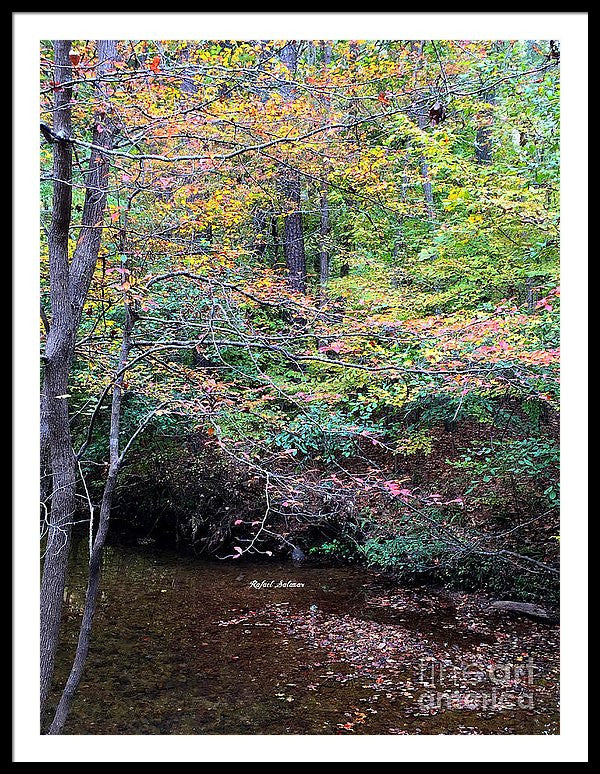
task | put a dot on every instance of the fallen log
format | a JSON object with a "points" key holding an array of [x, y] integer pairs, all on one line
{"points": [[528, 609]]}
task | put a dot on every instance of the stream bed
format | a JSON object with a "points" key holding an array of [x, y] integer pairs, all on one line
{"points": [[189, 646]]}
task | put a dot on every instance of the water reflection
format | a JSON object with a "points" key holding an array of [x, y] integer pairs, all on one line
{"points": [[182, 646]]}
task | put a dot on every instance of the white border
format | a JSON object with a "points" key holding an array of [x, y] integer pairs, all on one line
{"points": [[571, 30]]}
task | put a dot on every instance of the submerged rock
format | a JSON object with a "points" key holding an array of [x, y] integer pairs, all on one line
{"points": [[298, 556], [528, 609]]}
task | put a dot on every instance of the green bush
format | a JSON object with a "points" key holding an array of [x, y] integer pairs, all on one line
{"points": [[325, 434], [529, 466]]}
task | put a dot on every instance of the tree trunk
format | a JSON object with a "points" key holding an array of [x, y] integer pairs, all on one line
{"points": [[86, 250], [483, 141], [324, 233], [427, 187], [324, 227], [422, 122], [54, 403], [293, 235], [95, 564], [69, 286]]}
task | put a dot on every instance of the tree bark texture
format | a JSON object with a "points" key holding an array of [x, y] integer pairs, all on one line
{"points": [[291, 188], [95, 564], [69, 286], [54, 403], [483, 140], [325, 226]]}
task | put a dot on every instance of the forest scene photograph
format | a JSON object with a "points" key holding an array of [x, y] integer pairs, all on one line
{"points": [[299, 409]]}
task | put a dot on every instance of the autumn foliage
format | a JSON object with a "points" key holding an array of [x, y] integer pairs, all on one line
{"points": [[427, 326]]}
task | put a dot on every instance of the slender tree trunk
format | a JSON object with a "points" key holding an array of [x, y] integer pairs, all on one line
{"points": [[293, 235], [264, 218], [422, 122], [95, 564], [69, 286], [86, 250], [324, 227], [483, 141], [45, 467], [291, 188], [54, 403], [324, 233], [426, 178], [346, 249]]}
